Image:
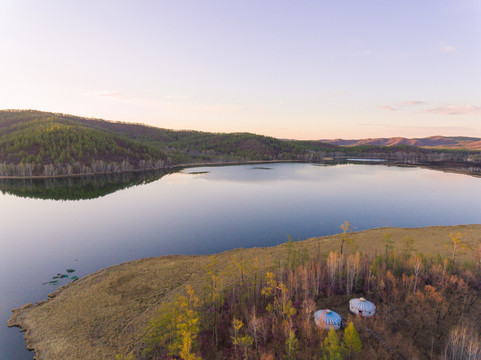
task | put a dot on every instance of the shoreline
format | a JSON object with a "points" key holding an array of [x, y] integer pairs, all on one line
{"points": [[180, 166], [105, 312], [247, 162]]}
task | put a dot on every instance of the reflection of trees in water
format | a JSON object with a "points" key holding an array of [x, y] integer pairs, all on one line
{"points": [[77, 188]]}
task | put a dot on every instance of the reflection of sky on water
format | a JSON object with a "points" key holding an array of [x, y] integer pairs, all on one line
{"points": [[224, 208]]}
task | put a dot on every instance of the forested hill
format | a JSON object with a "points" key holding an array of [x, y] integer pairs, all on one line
{"points": [[35, 143]]}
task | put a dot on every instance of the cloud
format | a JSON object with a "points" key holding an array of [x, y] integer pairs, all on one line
{"points": [[119, 96], [114, 95], [332, 93], [388, 108], [222, 109], [398, 106], [175, 98], [412, 102], [455, 110], [448, 48]]}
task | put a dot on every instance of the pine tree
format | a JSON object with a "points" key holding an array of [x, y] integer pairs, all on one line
{"points": [[332, 346], [388, 243], [352, 342], [291, 346]]}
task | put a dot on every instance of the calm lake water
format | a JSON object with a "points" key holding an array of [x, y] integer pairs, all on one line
{"points": [[84, 225]]}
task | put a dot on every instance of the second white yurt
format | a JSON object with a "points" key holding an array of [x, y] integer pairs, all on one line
{"points": [[362, 307], [327, 319]]}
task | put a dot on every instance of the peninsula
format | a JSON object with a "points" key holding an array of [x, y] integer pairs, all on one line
{"points": [[108, 313]]}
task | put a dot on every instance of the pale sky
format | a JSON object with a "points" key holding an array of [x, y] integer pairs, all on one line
{"points": [[290, 69]]}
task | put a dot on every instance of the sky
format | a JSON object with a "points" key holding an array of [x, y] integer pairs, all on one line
{"points": [[289, 69]]}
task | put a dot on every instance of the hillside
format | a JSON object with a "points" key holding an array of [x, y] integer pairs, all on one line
{"points": [[34, 143], [108, 313], [440, 142]]}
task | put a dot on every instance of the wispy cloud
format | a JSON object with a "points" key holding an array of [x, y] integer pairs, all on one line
{"points": [[388, 108], [398, 106], [332, 93], [222, 109], [448, 48], [119, 96], [114, 95], [175, 98], [412, 102], [455, 110]]}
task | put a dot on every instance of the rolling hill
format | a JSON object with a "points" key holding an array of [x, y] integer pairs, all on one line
{"points": [[440, 142], [35, 143]]}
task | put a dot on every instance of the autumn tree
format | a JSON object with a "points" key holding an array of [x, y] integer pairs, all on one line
{"points": [[175, 327], [458, 245], [346, 238], [244, 341]]}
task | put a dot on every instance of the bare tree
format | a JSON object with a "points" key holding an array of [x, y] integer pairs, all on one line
{"points": [[353, 265], [416, 262], [463, 344]]}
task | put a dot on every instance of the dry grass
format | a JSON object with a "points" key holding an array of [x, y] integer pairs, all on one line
{"points": [[106, 313]]}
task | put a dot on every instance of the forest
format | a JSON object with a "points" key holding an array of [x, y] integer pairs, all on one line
{"points": [[427, 307], [34, 143]]}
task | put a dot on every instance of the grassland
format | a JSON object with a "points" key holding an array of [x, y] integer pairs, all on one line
{"points": [[106, 313]]}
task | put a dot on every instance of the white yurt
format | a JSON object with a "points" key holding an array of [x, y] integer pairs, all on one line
{"points": [[362, 307], [327, 319]]}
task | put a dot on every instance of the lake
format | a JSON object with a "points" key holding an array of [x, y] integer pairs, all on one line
{"points": [[87, 224]]}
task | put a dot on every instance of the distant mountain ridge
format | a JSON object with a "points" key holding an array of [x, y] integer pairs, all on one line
{"points": [[443, 142]]}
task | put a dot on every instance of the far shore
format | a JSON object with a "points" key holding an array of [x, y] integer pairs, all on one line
{"points": [[438, 167]]}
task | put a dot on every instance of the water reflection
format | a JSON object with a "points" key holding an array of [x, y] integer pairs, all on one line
{"points": [[92, 187], [77, 188]]}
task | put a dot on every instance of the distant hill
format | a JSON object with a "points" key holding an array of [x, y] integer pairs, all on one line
{"points": [[35, 143], [441, 142]]}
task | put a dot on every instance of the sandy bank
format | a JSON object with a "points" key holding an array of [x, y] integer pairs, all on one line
{"points": [[106, 313]]}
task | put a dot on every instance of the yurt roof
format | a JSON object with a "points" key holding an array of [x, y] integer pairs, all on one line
{"points": [[362, 304], [328, 317]]}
